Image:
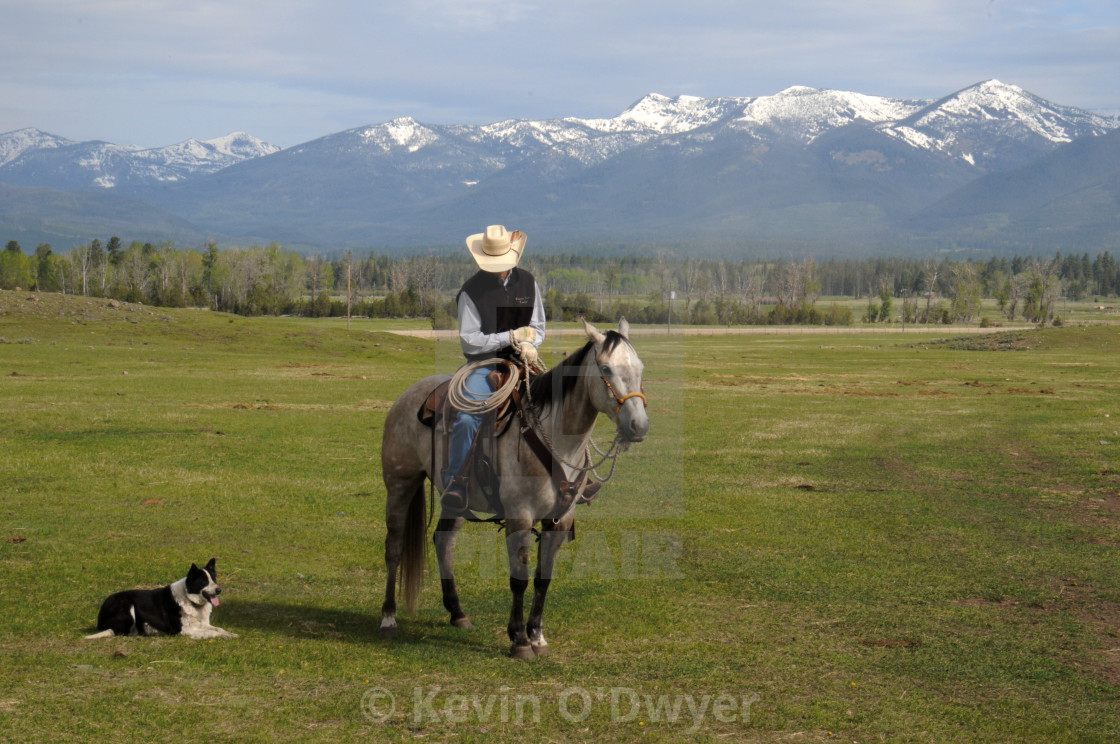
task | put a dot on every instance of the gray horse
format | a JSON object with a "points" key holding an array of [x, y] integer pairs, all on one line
{"points": [[605, 376]]}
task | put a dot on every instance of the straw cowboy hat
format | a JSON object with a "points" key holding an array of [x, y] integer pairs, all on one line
{"points": [[497, 250]]}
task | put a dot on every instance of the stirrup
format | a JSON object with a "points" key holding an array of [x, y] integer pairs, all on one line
{"points": [[454, 497]]}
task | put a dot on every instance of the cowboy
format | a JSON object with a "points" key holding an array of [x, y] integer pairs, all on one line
{"points": [[501, 314]]}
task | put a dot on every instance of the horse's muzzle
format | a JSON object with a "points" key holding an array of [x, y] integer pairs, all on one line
{"points": [[634, 428]]}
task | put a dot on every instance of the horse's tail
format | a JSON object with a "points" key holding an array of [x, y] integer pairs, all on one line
{"points": [[414, 553]]}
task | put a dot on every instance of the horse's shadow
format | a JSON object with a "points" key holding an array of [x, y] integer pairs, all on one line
{"points": [[347, 626]]}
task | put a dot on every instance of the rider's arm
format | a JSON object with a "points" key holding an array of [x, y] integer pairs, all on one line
{"points": [[471, 338], [537, 321]]}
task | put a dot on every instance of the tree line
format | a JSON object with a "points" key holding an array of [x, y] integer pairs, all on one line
{"points": [[658, 288]]}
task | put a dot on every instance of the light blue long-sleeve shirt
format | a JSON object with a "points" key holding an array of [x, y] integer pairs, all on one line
{"points": [[473, 341]]}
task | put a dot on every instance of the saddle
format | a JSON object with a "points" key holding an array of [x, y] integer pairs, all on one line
{"points": [[436, 412], [436, 407]]}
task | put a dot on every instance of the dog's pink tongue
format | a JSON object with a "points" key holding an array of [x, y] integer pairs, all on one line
{"points": [[214, 601]]}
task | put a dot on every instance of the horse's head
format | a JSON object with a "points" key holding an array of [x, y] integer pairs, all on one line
{"points": [[619, 394]]}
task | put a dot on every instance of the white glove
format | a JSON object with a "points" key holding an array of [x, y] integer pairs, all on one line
{"points": [[523, 335], [527, 352]]}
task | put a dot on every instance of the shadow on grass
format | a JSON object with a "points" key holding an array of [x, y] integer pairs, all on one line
{"points": [[311, 622]]}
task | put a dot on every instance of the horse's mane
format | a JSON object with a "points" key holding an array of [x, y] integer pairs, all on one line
{"points": [[553, 386]]}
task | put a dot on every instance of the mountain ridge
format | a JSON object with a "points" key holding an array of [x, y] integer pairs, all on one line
{"points": [[816, 167], [32, 157]]}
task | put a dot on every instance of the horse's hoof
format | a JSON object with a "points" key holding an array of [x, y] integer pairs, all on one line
{"points": [[540, 650], [463, 622], [524, 653], [389, 631]]}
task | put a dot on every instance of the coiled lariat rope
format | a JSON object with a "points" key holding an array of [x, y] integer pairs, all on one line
{"points": [[460, 398]]}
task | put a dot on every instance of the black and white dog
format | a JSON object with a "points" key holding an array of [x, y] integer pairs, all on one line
{"points": [[182, 608]]}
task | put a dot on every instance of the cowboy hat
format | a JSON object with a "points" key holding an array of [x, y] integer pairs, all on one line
{"points": [[496, 250]]}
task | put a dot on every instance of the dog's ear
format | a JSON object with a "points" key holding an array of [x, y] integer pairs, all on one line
{"points": [[211, 569], [193, 568]]}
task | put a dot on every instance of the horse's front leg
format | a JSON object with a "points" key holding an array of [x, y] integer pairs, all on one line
{"points": [[519, 537], [553, 537], [444, 538]]}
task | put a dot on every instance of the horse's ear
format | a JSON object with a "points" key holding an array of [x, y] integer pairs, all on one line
{"points": [[623, 328], [593, 333]]}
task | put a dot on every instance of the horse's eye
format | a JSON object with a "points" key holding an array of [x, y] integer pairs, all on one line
{"points": [[606, 370]]}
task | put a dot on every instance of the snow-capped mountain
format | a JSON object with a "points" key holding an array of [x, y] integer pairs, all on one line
{"points": [[991, 125], [30, 157], [995, 124], [979, 125], [14, 144], [796, 114], [804, 113], [803, 166]]}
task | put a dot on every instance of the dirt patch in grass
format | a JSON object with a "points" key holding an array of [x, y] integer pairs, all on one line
{"points": [[1104, 505], [858, 393], [1098, 616], [1003, 604], [1101, 617], [890, 643]]}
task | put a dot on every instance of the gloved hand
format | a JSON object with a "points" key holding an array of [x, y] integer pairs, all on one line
{"points": [[527, 352], [521, 335]]}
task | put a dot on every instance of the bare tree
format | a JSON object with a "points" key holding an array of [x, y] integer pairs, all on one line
{"points": [[1051, 289], [933, 271], [320, 275], [690, 277], [798, 284], [1015, 287], [134, 271], [398, 275], [611, 280], [82, 259]]}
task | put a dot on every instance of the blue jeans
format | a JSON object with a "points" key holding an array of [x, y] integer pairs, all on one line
{"points": [[465, 426]]}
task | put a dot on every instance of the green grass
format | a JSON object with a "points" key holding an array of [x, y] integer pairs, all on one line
{"points": [[849, 537]]}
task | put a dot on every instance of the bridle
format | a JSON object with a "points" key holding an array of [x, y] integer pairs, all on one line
{"points": [[617, 447], [622, 399]]}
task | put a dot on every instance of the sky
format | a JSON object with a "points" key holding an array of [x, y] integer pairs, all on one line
{"points": [[155, 72]]}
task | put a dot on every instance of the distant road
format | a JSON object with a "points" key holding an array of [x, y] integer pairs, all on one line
{"points": [[756, 330]]}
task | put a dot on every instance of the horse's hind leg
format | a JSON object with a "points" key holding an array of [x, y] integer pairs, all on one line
{"points": [[447, 528], [553, 536]]}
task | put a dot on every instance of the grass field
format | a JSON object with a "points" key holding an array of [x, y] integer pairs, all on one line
{"points": [[901, 538]]}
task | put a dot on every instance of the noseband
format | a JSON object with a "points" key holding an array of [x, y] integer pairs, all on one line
{"points": [[624, 398]]}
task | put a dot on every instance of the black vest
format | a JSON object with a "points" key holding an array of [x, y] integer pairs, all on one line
{"points": [[501, 308]]}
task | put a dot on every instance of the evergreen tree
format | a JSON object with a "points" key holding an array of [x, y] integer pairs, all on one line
{"points": [[113, 249]]}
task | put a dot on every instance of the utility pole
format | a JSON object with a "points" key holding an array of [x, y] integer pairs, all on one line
{"points": [[669, 324], [348, 295]]}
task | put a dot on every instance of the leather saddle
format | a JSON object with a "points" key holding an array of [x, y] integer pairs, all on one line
{"points": [[437, 406]]}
